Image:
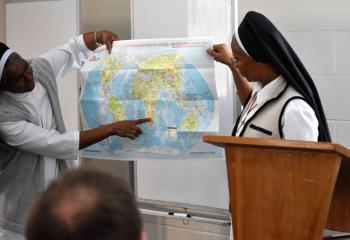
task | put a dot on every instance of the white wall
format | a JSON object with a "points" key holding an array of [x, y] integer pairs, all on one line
{"points": [[319, 31], [115, 17]]}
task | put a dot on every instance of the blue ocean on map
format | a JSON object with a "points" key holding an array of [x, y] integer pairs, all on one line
{"points": [[167, 136]]}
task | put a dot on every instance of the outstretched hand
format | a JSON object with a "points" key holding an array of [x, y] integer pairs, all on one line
{"points": [[221, 53], [128, 128]]}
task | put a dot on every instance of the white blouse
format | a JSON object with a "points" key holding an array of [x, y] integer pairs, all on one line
{"points": [[299, 121]]}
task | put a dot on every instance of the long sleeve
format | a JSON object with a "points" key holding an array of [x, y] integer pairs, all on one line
{"points": [[68, 57], [299, 122], [47, 142]]}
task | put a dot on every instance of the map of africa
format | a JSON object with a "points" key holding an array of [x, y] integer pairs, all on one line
{"points": [[169, 80]]}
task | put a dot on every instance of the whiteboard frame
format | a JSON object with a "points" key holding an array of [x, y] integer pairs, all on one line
{"points": [[198, 210]]}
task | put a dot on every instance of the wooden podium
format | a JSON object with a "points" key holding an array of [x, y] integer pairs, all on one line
{"points": [[283, 190]]}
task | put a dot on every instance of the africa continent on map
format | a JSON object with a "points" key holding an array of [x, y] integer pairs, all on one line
{"points": [[168, 80]]}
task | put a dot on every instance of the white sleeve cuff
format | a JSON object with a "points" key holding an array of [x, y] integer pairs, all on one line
{"points": [[46, 142], [76, 139]]}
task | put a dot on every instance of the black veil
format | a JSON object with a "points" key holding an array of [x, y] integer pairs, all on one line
{"points": [[3, 49], [264, 43]]}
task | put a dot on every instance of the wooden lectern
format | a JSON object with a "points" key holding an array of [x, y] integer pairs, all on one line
{"points": [[283, 190]]}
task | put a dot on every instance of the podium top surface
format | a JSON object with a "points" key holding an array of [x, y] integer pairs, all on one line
{"points": [[223, 141]]}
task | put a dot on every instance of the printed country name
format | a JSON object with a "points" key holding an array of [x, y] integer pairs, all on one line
{"points": [[166, 44]]}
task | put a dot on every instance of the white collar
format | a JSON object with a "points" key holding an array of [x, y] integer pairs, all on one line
{"points": [[264, 93]]}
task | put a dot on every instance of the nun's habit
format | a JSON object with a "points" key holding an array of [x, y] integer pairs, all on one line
{"points": [[264, 43]]}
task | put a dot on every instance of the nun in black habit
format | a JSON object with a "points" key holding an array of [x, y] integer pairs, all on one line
{"points": [[279, 97]]}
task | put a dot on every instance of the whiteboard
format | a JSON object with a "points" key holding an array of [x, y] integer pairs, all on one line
{"points": [[188, 182]]}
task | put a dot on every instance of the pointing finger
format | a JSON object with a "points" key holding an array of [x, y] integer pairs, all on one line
{"points": [[143, 120]]}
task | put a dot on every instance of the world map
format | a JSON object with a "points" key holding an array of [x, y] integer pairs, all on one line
{"points": [[169, 80]]}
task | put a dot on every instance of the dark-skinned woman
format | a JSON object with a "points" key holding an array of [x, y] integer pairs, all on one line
{"points": [[278, 95], [35, 146]]}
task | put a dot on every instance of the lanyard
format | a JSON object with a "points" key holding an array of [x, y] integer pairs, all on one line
{"points": [[252, 105]]}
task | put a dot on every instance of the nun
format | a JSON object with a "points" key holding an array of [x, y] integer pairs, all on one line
{"points": [[277, 93], [35, 146]]}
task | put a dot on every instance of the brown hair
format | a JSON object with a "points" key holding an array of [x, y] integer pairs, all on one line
{"points": [[85, 204]]}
